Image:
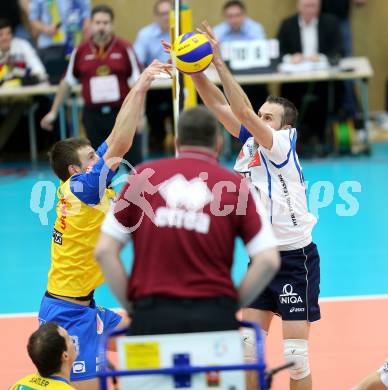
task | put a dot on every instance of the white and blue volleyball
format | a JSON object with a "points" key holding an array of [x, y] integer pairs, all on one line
{"points": [[193, 52]]}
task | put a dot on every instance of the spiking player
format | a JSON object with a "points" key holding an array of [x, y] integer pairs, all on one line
{"points": [[83, 201]]}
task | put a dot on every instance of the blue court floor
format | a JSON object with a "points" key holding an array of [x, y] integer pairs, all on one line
{"points": [[348, 195]]}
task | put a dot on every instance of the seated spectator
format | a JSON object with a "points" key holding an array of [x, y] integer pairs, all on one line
{"points": [[309, 35], [147, 44], [53, 352], [60, 25], [237, 26], [19, 65], [341, 9], [18, 59], [159, 110], [16, 12]]}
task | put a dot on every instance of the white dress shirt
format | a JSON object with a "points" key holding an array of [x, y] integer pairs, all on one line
{"points": [[309, 37]]}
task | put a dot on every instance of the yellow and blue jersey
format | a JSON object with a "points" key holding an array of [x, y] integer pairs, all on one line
{"points": [[37, 382], [83, 202]]}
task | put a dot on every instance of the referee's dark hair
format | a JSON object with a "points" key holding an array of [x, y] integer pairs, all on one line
{"points": [[45, 348], [198, 127], [105, 9], [290, 113], [64, 153]]}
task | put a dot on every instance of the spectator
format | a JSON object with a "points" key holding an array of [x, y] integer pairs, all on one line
{"points": [[18, 59], [309, 35], [16, 12], [19, 64], [60, 25], [181, 279], [84, 197], [341, 10], [159, 110], [53, 353], [104, 65], [147, 44], [237, 26]]}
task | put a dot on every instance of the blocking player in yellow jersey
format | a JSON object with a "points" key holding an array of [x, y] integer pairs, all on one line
{"points": [[53, 352], [84, 199]]}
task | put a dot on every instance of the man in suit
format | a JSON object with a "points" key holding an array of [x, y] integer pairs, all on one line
{"points": [[312, 36]]}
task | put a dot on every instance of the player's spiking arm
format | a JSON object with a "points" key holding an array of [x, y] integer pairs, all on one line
{"points": [[238, 100], [128, 118]]}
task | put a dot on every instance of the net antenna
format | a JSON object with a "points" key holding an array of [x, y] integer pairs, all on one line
{"points": [[174, 34], [184, 92]]}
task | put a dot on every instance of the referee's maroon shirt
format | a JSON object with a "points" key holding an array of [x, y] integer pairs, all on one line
{"points": [[189, 257]]}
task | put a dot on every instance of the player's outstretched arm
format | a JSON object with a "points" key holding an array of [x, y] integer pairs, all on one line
{"points": [[216, 102], [237, 98], [128, 118], [213, 98]]}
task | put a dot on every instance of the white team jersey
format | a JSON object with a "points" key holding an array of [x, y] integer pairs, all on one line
{"points": [[278, 177]]}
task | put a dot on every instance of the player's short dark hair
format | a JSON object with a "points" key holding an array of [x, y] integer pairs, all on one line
{"points": [[198, 127], [105, 9], [45, 348], [157, 3], [234, 3], [64, 153], [4, 23], [290, 115]]}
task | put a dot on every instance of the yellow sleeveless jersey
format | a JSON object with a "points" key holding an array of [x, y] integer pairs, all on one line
{"points": [[74, 271], [35, 381]]}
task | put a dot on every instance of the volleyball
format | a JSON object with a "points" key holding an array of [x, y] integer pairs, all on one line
{"points": [[193, 52]]}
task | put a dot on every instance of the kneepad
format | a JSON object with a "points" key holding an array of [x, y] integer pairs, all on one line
{"points": [[249, 340], [383, 371], [296, 351]]}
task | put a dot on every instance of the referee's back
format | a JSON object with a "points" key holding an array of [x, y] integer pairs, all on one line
{"points": [[183, 215]]}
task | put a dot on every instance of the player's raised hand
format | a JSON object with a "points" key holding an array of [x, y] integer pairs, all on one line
{"points": [[154, 71], [166, 46], [209, 33]]}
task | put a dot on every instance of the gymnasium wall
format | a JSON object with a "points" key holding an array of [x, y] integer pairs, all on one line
{"points": [[369, 28]]}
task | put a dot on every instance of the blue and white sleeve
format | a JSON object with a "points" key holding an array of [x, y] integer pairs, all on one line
{"points": [[102, 149], [244, 134], [89, 187]]}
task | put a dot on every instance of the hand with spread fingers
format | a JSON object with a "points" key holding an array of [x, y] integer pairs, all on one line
{"points": [[209, 33], [166, 46], [152, 72]]}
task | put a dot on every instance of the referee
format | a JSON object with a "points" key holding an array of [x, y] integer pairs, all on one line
{"points": [[183, 215]]}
